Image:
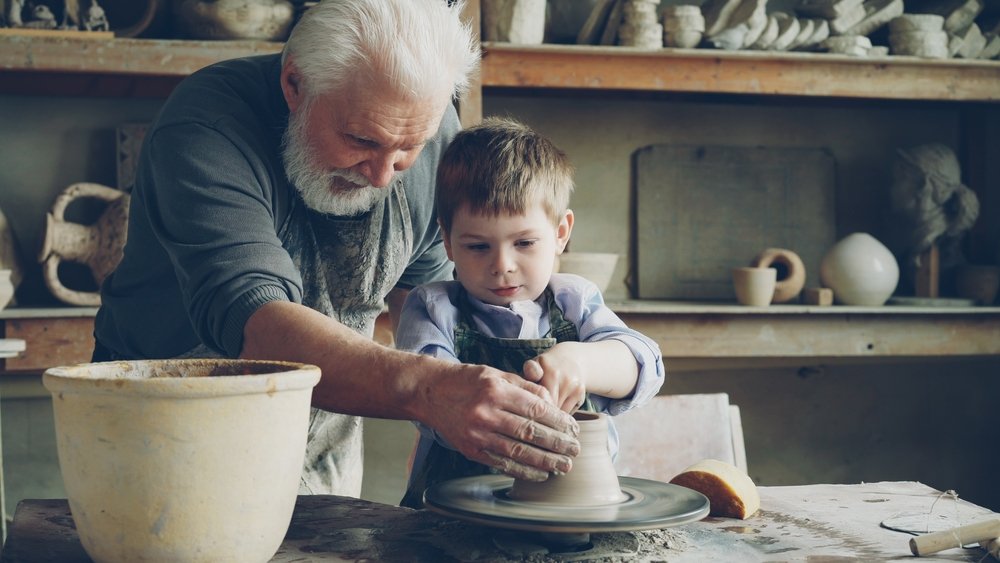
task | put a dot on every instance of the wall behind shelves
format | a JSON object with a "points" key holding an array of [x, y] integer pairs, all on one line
{"points": [[49, 143]]}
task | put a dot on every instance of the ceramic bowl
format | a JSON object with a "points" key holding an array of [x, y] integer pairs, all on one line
{"points": [[598, 267], [181, 460]]}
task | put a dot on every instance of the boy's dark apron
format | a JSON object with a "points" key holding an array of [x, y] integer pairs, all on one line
{"points": [[507, 354]]}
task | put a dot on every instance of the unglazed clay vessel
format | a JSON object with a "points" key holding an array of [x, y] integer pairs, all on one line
{"points": [[98, 246], [754, 287], [791, 272], [860, 270], [181, 460], [598, 267], [268, 20], [6, 288], [591, 482]]}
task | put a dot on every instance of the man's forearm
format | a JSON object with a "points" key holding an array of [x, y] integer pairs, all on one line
{"points": [[360, 376]]}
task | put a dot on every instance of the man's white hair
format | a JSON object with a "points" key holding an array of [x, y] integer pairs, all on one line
{"points": [[421, 48]]}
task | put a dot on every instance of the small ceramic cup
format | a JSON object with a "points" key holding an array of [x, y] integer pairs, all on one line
{"points": [[754, 286]]}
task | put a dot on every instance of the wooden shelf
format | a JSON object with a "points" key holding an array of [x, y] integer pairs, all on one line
{"points": [[715, 331], [554, 66], [738, 72], [141, 57]]}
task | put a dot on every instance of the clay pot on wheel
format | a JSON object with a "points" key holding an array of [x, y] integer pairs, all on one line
{"points": [[592, 481], [98, 246]]}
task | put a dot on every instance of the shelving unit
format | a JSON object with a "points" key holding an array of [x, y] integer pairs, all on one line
{"points": [[61, 66]]}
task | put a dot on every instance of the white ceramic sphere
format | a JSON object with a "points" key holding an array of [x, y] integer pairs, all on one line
{"points": [[860, 270]]}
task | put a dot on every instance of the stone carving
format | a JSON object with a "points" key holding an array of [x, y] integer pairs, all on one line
{"points": [[930, 205], [98, 246]]}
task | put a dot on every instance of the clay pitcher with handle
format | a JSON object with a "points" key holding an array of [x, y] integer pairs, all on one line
{"points": [[98, 246]]}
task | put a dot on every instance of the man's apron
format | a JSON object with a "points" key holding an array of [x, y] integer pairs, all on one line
{"points": [[348, 266]]}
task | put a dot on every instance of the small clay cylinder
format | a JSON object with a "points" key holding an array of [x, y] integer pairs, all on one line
{"points": [[791, 272]]}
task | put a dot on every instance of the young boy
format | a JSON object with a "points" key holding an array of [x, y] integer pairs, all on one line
{"points": [[502, 201]]}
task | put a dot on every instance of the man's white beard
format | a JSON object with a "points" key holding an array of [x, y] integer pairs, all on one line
{"points": [[333, 192]]}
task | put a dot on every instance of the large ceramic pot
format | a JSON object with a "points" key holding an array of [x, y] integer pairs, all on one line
{"points": [[860, 270], [181, 460]]}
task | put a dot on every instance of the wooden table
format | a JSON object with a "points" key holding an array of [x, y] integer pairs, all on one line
{"points": [[815, 522]]}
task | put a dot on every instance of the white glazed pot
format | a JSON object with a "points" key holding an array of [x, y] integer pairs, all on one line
{"points": [[860, 270], [181, 460]]}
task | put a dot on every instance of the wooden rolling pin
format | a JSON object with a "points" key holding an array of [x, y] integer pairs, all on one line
{"points": [[984, 531]]}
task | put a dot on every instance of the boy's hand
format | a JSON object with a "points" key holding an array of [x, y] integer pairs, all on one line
{"points": [[559, 371]]}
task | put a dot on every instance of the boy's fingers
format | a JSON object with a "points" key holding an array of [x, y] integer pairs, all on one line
{"points": [[533, 371]]}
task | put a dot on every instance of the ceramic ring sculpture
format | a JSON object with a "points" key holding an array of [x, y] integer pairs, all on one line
{"points": [[791, 272]]}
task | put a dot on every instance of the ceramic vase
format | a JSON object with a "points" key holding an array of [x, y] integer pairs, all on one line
{"points": [[266, 20], [98, 246], [860, 270], [181, 460], [6, 288], [514, 21], [598, 267], [978, 282], [592, 481]]}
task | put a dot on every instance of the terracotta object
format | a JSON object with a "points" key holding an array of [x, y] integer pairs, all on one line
{"points": [[978, 282], [98, 246], [598, 267], [791, 272], [6, 288], [267, 20], [514, 21], [181, 460], [592, 481], [860, 270], [754, 287]]}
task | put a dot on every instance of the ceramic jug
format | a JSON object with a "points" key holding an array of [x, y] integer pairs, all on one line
{"points": [[98, 246]]}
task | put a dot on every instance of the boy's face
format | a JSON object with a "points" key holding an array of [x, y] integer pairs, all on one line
{"points": [[506, 258]]}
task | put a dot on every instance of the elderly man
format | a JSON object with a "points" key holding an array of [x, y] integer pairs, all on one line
{"points": [[279, 203]]}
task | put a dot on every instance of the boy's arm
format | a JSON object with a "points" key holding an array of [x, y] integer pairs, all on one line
{"points": [[611, 360]]}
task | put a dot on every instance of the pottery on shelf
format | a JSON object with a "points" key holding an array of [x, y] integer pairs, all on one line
{"points": [[860, 270], [181, 460], [6, 288], [592, 481], [266, 20], [978, 282], [514, 21], [791, 272], [754, 287], [598, 267], [98, 246]]}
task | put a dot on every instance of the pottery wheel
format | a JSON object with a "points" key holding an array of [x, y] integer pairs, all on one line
{"points": [[649, 505]]}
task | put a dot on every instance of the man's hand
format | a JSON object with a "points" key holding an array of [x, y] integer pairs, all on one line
{"points": [[503, 421]]}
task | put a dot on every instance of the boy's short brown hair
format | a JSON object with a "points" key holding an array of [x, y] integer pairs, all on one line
{"points": [[502, 166]]}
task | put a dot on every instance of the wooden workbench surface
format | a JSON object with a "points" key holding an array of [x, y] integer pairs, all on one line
{"points": [[814, 522]]}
